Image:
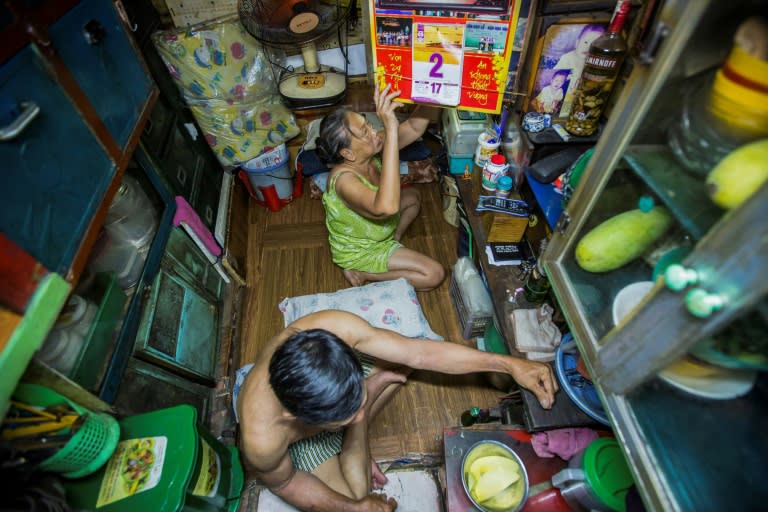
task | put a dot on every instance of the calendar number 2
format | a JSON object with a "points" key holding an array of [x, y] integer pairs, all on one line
{"points": [[437, 60]]}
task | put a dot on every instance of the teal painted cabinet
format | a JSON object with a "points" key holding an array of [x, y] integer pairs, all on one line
{"points": [[180, 322], [90, 89]]}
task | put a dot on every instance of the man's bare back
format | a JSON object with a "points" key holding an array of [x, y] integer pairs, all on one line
{"points": [[320, 352]]}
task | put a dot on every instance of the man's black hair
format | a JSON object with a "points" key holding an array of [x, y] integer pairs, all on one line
{"points": [[317, 377]]}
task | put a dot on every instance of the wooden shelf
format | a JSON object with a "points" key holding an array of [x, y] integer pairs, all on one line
{"points": [[502, 281]]}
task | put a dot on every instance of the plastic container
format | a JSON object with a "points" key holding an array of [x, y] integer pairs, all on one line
{"points": [[271, 168], [90, 446], [597, 478], [460, 131], [77, 315], [67, 337], [487, 146], [459, 164], [512, 145], [121, 257], [503, 186], [184, 468], [720, 114], [130, 199], [494, 168], [61, 349], [131, 217]]}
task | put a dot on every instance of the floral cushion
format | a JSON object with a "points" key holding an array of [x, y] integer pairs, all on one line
{"points": [[389, 305]]}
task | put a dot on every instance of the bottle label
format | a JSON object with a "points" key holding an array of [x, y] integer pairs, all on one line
{"points": [[598, 66]]}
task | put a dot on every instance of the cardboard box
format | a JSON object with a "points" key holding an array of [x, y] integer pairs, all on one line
{"points": [[500, 227]]}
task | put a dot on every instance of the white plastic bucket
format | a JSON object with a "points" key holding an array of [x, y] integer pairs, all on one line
{"points": [[271, 168]]}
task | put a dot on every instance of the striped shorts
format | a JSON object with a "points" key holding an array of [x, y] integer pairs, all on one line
{"points": [[307, 454]]}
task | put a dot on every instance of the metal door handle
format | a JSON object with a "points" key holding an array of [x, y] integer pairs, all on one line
{"points": [[29, 111]]}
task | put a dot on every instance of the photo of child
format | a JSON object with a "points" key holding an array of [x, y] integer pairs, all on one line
{"points": [[564, 49], [550, 98]]}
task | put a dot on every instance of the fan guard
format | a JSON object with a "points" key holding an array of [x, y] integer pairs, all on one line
{"points": [[300, 23], [292, 23]]}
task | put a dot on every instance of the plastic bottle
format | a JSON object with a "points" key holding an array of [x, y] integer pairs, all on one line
{"points": [[601, 67], [503, 186], [495, 168]]}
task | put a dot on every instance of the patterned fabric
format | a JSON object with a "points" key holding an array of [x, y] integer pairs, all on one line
{"points": [[225, 77], [357, 242], [389, 305], [307, 454]]}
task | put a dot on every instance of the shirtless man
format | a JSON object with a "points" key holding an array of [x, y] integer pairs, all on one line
{"points": [[305, 404]]}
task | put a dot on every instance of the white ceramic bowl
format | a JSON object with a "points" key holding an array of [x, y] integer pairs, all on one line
{"points": [[629, 297]]}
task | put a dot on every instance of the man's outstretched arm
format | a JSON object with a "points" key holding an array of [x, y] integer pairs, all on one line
{"points": [[439, 356]]}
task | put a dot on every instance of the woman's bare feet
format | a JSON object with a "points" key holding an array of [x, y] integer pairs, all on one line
{"points": [[378, 479], [355, 277]]}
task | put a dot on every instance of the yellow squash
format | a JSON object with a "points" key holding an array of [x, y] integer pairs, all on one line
{"points": [[737, 176], [621, 239]]}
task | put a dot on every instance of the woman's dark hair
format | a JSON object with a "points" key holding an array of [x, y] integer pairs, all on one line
{"points": [[334, 136], [317, 377]]}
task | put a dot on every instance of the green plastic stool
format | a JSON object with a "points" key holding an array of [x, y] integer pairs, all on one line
{"points": [[165, 461]]}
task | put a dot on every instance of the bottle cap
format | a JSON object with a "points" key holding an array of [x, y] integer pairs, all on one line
{"points": [[498, 159]]}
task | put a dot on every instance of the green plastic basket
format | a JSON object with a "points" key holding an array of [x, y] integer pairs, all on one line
{"points": [[89, 448]]}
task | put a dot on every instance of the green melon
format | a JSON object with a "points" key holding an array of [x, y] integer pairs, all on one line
{"points": [[621, 239]]}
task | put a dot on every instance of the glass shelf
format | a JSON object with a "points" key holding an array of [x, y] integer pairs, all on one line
{"points": [[685, 195], [701, 465]]}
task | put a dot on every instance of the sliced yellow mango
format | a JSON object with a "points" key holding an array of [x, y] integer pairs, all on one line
{"points": [[492, 475], [495, 463], [507, 499]]}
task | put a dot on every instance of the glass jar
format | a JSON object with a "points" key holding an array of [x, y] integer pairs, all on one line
{"points": [[717, 116]]}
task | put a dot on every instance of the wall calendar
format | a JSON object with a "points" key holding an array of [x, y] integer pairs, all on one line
{"points": [[457, 55]]}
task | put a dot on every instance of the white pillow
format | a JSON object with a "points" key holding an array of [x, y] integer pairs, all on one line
{"points": [[385, 304]]}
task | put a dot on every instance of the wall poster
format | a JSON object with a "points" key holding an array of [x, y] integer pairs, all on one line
{"points": [[456, 54]]}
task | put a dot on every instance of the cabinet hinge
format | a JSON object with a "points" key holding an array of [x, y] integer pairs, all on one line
{"points": [[654, 42]]}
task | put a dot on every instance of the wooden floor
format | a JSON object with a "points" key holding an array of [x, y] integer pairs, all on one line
{"points": [[289, 256]]}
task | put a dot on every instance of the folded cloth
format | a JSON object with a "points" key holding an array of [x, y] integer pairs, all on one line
{"points": [[563, 442], [185, 214], [534, 329]]}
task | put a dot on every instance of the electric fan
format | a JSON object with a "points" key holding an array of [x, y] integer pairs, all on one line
{"points": [[300, 23]]}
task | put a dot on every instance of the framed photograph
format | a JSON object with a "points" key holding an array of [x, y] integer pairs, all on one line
{"points": [[573, 6], [558, 60], [479, 6]]}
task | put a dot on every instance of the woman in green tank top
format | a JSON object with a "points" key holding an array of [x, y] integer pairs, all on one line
{"points": [[366, 213]]}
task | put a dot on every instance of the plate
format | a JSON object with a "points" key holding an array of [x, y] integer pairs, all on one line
{"points": [[580, 390], [722, 385], [629, 297]]}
